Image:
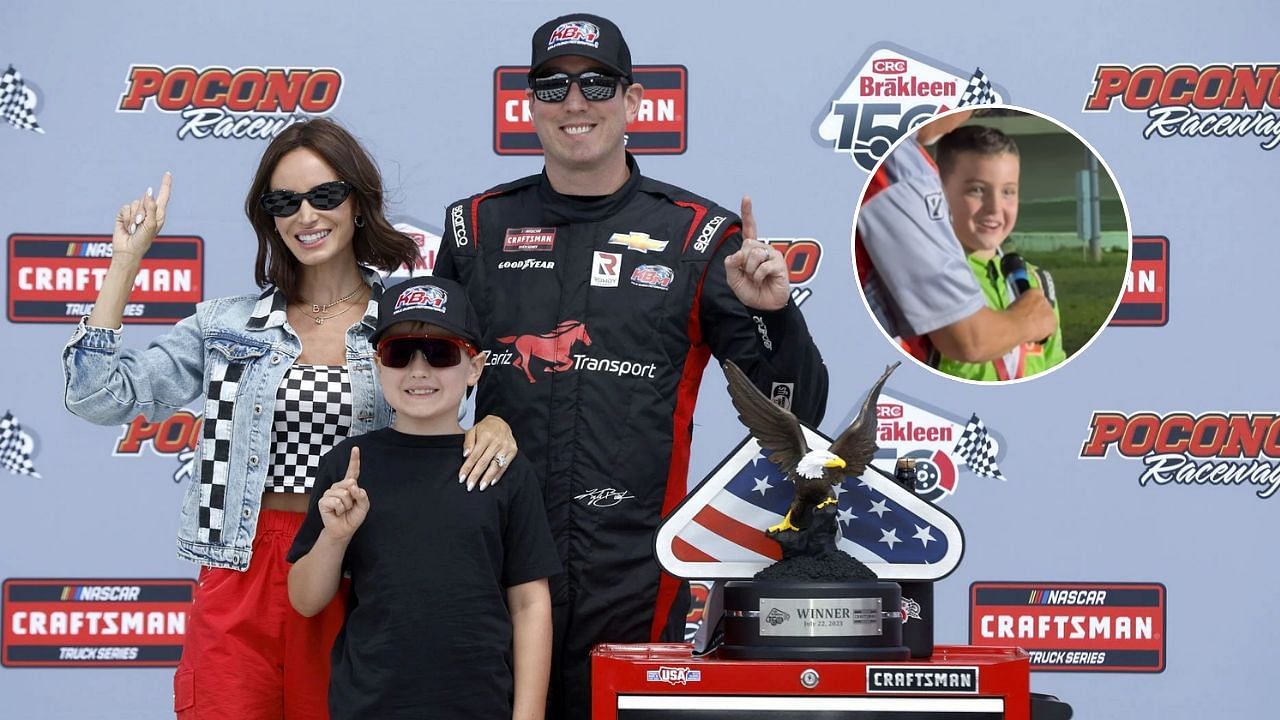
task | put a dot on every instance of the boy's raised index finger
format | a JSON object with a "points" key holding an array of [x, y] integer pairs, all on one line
{"points": [[353, 465]]}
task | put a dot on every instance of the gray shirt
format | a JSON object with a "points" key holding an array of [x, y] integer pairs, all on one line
{"points": [[920, 280]]}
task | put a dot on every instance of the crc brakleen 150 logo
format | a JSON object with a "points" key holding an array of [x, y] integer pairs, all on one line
{"points": [[1216, 448], [1184, 100], [1073, 627], [94, 622], [660, 128], [891, 92], [56, 278], [939, 443], [251, 102]]}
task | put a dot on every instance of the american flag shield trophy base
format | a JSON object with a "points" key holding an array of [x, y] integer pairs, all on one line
{"points": [[817, 602]]}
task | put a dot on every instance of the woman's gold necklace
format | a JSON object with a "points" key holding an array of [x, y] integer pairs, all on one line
{"points": [[317, 309]]}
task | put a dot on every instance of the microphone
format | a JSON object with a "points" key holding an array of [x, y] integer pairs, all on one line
{"points": [[1015, 270]]}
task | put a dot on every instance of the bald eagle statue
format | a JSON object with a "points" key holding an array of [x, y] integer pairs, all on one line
{"points": [[813, 472]]}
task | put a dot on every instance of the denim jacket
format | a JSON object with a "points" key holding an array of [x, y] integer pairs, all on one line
{"points": [[234, 352]]}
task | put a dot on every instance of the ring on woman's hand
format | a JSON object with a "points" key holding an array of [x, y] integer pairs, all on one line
{"points": [[500, 459]]}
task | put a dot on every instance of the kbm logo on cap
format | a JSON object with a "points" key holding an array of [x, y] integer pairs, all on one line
{"points": [[429, 297], [577, 32]]}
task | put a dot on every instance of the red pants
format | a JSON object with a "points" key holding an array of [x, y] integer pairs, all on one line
{"points": [[248, 654]]}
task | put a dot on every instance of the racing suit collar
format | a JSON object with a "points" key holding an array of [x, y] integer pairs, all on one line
{"points": [[561, 209]]}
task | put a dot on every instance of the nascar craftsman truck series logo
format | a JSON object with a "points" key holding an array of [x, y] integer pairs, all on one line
{"points": [[1078, 627], [56, 278], [218, 102], [94, 622], [891, 92], [1219, 100]]}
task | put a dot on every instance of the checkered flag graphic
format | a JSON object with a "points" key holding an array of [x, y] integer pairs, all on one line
{"points": [[978, 449], [978, 92], [18, 102], [15, 447]]}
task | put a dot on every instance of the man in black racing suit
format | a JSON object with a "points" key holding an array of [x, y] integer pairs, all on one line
{"points": [[602, 293]]}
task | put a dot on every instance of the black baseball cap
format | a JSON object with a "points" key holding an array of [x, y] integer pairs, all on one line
{"points": [[431, 300], [583, 34]]}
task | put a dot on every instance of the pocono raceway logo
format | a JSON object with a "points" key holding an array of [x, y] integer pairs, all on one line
{"points": [[1178, 448], [175, 436], [661, 126], [56, 278], [1183, 100], [891, 92], [217, 102], [1073, 627], [94, 622]]}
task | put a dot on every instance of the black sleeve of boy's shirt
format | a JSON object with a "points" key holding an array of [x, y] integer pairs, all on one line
{"points": [[529, 553], [332, 466]]}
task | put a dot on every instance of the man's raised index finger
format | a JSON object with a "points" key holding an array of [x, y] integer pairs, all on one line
{"points": [[748, 219]]}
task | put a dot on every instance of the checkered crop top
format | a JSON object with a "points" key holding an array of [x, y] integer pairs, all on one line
{"points": [[313, 413]]}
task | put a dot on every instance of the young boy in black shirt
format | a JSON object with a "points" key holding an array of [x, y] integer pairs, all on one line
{"points": [[449, 594]]}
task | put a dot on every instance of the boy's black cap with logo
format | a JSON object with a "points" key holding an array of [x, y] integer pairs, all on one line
{"points": [[435, 301]]}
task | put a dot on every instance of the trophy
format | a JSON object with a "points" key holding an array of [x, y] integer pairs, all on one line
{"points": [[817, 602]]}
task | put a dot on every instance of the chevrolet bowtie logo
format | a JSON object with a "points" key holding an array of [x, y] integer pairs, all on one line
{"points": [[638, 241]]}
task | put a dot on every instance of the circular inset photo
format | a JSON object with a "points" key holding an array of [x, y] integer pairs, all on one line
{"points": [[991, 244]]}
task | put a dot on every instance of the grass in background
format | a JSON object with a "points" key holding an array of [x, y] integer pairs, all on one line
{"points": [[1059, 215], [1086, 292]]}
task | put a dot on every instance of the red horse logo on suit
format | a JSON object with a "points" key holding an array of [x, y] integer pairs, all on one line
{"points": [[552, 347]]}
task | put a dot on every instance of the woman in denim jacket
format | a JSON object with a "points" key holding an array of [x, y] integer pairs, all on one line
{"points": [[285, 375]]}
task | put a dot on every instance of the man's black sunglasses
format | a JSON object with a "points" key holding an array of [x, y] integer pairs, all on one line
{"points": [[595, 86]]}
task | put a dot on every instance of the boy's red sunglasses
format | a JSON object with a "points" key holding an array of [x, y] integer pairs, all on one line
{"points": [[439, 352]]}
